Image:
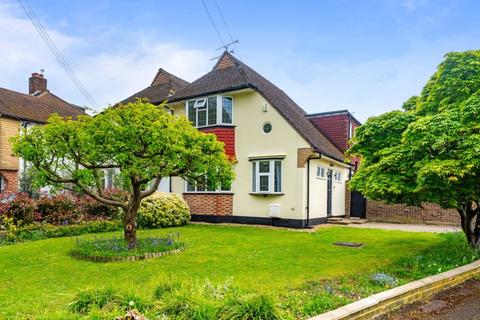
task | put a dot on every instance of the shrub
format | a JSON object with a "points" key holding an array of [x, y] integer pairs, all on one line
{"points": [[85, 301], [163, 210], [58, 209], [255, 307], [20, 207], [44, 231]]}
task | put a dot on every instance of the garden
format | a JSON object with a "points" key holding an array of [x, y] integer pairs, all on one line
{"points": [[224, 272]]}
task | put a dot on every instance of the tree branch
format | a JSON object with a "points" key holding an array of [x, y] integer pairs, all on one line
{"points": [[152, 190]]}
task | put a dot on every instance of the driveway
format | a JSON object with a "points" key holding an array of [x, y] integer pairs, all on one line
{"points": [[406, 227], [459, 303]]}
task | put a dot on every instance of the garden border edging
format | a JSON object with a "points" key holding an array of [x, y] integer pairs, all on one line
{"points": [[128, 258], [390, 300]]}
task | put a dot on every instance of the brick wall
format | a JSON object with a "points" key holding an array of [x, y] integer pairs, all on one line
{"points": [[429, 213], [11, 180], [219, 204], [225, 135]]}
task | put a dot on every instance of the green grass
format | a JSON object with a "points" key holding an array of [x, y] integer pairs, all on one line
{"points": [[41, 275]]}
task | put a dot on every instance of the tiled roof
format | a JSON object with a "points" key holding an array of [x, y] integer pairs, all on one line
{"points": [[35, 108], [163, 85], [231, 74]]}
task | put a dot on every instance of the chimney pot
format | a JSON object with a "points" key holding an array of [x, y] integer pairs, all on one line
{"points": [[37, 83]]}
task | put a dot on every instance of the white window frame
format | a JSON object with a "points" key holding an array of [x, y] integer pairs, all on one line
{"points": [[270, 174], [202, 103], [337, 176], [218, 190], [324, 172]]}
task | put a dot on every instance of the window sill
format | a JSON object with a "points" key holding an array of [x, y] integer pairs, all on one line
{"points": [[217, 126], [266, 194], [321, 178]]}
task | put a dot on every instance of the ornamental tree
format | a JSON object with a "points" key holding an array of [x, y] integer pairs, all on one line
{"points": [[430, 151], [142, 142]]}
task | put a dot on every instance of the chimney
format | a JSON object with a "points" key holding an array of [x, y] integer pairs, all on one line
{"points": [[37, 83]]}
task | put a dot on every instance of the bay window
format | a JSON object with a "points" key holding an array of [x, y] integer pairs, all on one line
{"points": [[195, 187], [267, 176], [211, 111]]}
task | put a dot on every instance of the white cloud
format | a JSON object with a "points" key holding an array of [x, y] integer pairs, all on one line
{"points": [[108, 76]]}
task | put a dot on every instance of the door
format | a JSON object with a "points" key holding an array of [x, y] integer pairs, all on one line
{"points": [[358, 205], [329, 192]]}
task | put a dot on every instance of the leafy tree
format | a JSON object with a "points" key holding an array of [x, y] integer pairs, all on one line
{"points": [[143, 142], [430, 151]]}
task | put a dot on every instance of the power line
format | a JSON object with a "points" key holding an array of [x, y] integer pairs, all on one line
{"points": [[214, 25], [56, 52], [224, 21]]}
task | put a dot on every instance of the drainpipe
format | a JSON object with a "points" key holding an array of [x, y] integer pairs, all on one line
{"points": [[307, 208]]}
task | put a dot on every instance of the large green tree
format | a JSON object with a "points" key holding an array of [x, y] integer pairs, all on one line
{"points": [[430, 151], [142, 142]]}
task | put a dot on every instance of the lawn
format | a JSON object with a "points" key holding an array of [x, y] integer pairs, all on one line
{"points": [[38, 276]]}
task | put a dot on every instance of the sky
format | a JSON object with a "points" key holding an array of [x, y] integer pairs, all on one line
{"points": [[366, 56]]}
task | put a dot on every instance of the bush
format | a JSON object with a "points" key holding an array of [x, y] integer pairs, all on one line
{"points": [[163, 210], [58, 209], [41, 231], [20, 207]]}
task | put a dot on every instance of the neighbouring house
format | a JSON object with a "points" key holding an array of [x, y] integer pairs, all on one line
{"points": [[19, 110], [288, 170], [339, 127]]}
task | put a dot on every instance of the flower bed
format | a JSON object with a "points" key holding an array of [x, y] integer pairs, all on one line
{"points": [[116, 249]]}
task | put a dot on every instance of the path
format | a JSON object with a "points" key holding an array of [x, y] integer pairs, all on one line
{"points": [[459, 303]]}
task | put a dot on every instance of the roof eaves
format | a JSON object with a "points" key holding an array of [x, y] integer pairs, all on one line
{"points": [[206, 93]]}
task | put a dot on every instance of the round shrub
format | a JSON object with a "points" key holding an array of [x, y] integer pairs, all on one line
{"points": [[58, 209], [162, 210]]}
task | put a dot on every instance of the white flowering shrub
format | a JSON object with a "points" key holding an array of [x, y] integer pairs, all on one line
{"points": [[162, 210]]}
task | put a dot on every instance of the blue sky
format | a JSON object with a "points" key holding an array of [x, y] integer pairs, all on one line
{"points": [[367, 56]]}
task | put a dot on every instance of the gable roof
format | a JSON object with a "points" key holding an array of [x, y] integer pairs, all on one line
{"points": [[163, 85], [35, 108], [231, 74]]}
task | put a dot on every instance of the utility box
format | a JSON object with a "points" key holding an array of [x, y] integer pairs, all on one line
{"points": [[274, 211]]}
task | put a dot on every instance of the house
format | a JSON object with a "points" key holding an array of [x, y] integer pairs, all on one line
{"points": [[288, 171], [19, 110], [339, 126]]}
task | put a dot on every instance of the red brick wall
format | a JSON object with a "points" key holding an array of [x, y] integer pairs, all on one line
{"points": [[11, 180], [429, 213], [219, 204], [225, 135]]}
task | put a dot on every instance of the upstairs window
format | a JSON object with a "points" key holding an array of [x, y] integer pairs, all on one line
{"points": [[211, 111], [320, 172], [267, 176]]}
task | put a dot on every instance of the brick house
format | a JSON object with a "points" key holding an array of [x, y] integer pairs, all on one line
{"points": [[19, 110], [288, 172]]}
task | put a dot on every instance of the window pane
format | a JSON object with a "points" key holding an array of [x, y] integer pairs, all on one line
{"points": [[212, 110], [278, 177], [200, 103], [192, 116], [254, 177], [264, 166], [227, 110], [264, 183], [190, 187], [202, 117]]}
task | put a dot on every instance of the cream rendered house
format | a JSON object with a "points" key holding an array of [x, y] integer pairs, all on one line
{"points": [[287, 172]]}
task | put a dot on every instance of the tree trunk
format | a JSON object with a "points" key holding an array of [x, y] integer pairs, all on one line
{"points": [[129, 221], [470, 220]]}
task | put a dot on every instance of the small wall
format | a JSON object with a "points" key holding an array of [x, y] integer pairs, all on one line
{"points": [[218, 204], [11, 180], [429, 214]]}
